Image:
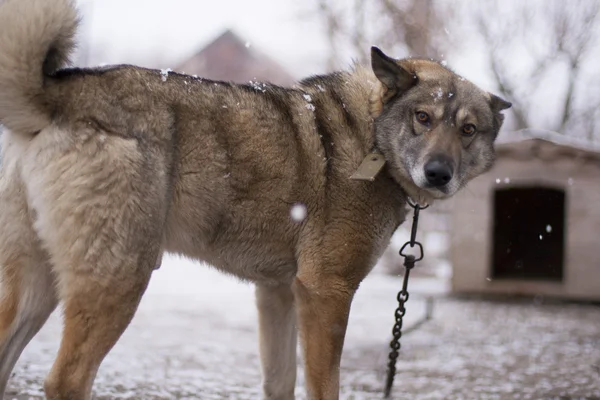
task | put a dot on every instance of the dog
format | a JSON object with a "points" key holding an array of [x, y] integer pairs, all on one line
{"points": [[105, 169]]}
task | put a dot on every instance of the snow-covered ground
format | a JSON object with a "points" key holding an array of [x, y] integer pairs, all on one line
{"points": [[195, 337]]}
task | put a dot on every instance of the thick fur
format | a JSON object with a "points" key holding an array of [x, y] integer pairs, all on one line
{"points": [[105, 169]]}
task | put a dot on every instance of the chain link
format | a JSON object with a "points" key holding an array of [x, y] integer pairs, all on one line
{"points": [[402, 297]]}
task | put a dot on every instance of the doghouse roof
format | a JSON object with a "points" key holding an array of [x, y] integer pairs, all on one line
{"points": [[534, 143]]}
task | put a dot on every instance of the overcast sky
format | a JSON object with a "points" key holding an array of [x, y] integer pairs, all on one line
{"points": [[165, 32]]}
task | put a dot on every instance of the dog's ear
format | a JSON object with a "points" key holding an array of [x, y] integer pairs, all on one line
{"points": [[498, 104], [393, 77]]}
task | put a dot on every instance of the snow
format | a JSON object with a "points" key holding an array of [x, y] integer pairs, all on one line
{"points": [[164, 74], [298, 212], [195, 337], [438, 94], [258, 86], [309, 106]]}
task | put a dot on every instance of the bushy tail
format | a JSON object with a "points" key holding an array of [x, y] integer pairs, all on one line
{"points": [[36, 39]]}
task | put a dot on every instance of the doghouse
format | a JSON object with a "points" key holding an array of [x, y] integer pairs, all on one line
{"points": [[531, 226]]}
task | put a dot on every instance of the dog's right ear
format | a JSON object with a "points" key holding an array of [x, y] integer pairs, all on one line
{"points": [[393, 77]]}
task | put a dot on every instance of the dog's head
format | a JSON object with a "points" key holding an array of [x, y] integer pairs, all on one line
{"points": [[435, 129]]}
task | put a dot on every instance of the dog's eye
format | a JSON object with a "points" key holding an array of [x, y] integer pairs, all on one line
{"points": [[468, 130], [423, 117]]}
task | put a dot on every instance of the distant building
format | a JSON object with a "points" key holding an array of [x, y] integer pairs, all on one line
{"points": [[229, 58], [532, 225]]}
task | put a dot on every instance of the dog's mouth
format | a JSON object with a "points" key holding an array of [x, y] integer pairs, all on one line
{"points": [[422, 194], [440, 192]]}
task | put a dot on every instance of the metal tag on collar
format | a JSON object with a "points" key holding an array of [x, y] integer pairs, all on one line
{"points": [[369, 167]]}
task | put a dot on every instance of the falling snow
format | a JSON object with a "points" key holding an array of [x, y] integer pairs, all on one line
{"points": [[298, 212]]}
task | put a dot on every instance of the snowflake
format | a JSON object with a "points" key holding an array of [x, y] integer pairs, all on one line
{"points": [[298, 212]]}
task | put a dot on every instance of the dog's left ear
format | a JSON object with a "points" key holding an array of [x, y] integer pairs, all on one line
{"points": [[498, 104], [393, 77]]}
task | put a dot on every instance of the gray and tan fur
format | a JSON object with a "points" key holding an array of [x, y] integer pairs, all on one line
{"points": [[106, 169]]}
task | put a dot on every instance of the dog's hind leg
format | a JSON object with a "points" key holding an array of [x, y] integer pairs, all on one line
{"points": [[101, 209], [27, 292], [278, 337], [100, 294], [96, 313]]}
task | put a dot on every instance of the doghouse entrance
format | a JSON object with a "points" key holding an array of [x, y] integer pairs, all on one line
{"points": [[528, 234]]}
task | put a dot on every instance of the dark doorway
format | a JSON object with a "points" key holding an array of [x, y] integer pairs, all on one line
{"points": [[529, 234]]}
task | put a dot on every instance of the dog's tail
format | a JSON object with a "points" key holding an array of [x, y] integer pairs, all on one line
{"points": [[36, 39]]}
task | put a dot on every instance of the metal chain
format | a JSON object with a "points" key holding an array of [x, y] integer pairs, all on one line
{"points": [[409, 263]]}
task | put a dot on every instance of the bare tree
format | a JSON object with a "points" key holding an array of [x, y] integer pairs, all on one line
{"points": [[557, 40], [405, 27]]}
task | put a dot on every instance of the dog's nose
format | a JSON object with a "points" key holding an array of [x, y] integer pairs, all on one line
{"points": [[438, 171]]}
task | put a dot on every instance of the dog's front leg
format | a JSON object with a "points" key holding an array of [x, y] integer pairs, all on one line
{"points": [[323, 304]]}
